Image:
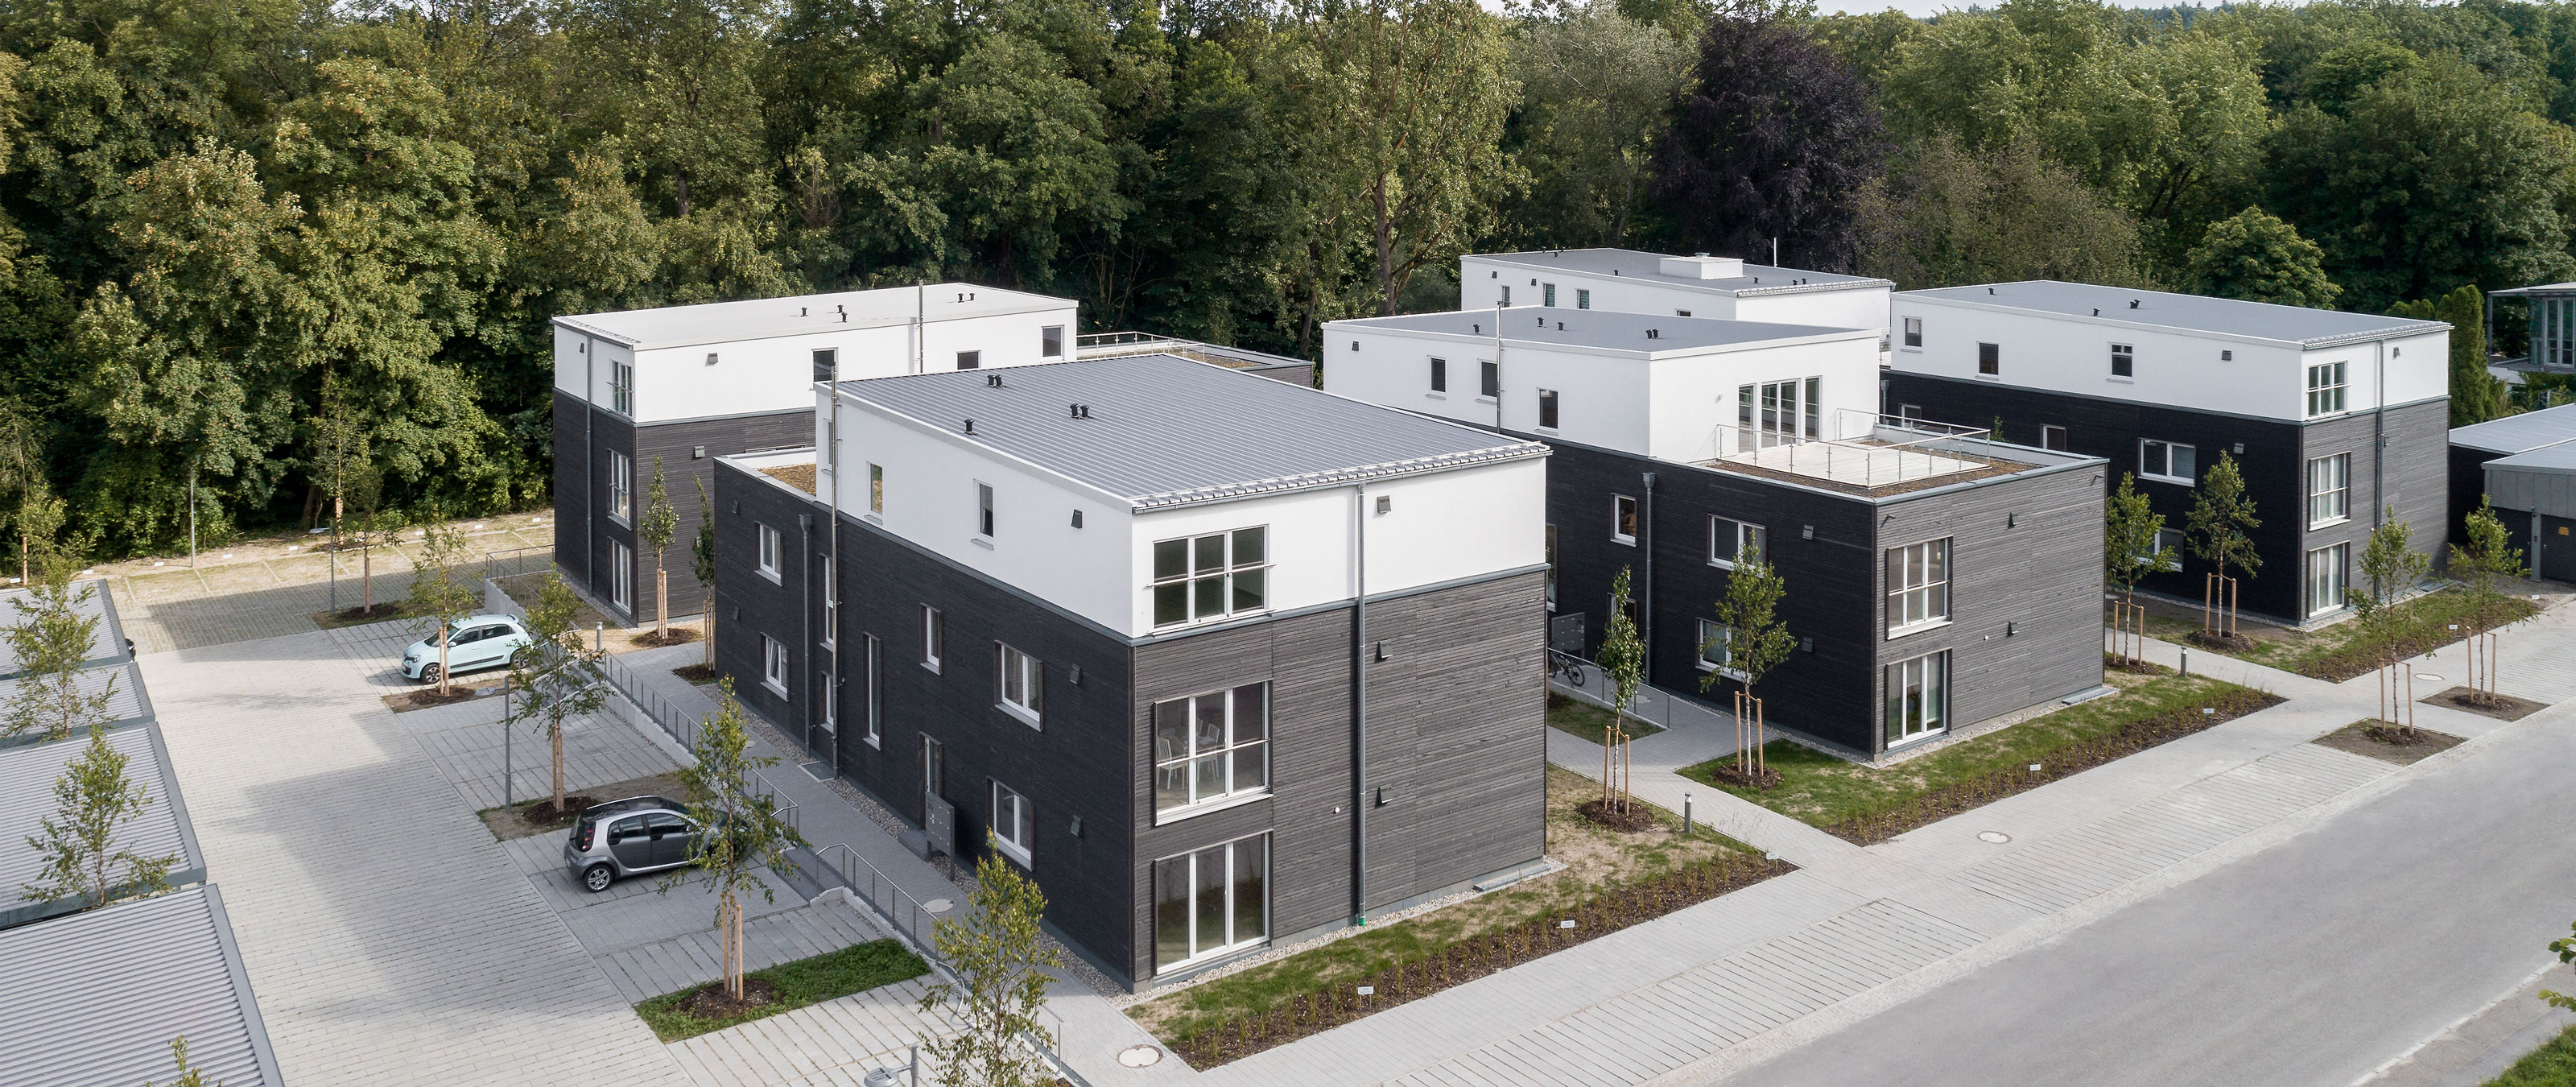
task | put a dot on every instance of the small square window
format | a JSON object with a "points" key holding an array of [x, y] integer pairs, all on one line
{"points": [[970, 360], [1440, 375], [1020, 682], [1582, 299], [826, 362], [1051, 342], [2052, 437], [1490, 384], [2172, 462], [1731, 541], [2124, 360]]}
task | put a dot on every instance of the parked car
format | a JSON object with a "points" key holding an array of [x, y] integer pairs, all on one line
{"points": [[628, 837], [482, 641]]}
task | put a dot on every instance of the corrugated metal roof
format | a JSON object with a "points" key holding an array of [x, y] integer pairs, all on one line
{"points": [[2557, 459], [108, 643], [2519, 433], [2191, 312], [27, 776], [126, 702], [1636, 264], [95, 998], [1559, 327], [1165, 431], [723, 322]]}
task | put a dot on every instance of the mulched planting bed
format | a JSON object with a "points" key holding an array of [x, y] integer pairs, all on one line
{"points": [[2221, 641], [1322, 1009], [1632, 818], [2075, 758], [2355, 660], [677, 636], [2505, 707], [2134, 667], [695, 673], [711, 1001], [428, 697], [1762, 780], [2380, 740]]}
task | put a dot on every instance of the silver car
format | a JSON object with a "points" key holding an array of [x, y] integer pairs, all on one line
{"points": [[628, 837], [482, 641]]}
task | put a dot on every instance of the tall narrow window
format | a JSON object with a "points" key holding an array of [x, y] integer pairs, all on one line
{"points": [[1547, 294], [621, 488], [876, 488], [1490, 383], [1913, 332], [1507, 294], [2325, 577], [1198, 578], [1051, 342], [1021, 684], [1716, 648], [621, 388], [984, 510], [2329, 490], [1440, 375], [831, 602], [876, 691], [2124, 360], [1918, 698], [1582, 298], [1918, 586], [2172, 462], [826, 360], [1547, 409], [1623, 519], [1815, 408], [2325, 388], [1551, 567], [1211, 901], [1989, 359], [773, 664], [1211, 747], [772, 549], [934, 637], [1014, 825], [1731, 541], [621, 575]]}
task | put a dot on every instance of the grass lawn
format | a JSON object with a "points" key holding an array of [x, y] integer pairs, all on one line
{"points": [[1822, 790], [2339, 652], [1576, 717], [854, 969], [2551, 1065], [1597, 859]]}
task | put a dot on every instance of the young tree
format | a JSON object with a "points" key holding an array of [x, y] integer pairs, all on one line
{"points": [[2255, 257], [2391, 565], [655, 529], [340, 445], [1755, 642], [2130, 526], [56, 696], [1001, 958], [438, 593], [189, 1074], [2483, 567], [702, 562], [2221, 516], [83, 860], [553, 673], [376, 525], [40, 519], [739, 829], [1622, 658]]}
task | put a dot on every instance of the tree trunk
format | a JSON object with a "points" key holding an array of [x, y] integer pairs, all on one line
{"points": [[367, 574], [442, 660], [709, 613], [732, 912], [661, 602], [557, 737], [1385, 249]]}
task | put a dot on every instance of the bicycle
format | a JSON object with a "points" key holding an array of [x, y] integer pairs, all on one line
{"points": [[1568, 667]]}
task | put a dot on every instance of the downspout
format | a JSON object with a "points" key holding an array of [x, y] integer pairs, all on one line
{"points": [[805, 547], [1646, 594], [832, 583], [1498, 366], [589, 462], [920, 331], [1359, 705], [2378, 433]]}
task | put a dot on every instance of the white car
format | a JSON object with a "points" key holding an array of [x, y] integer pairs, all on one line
{"points": [[481, 641]]}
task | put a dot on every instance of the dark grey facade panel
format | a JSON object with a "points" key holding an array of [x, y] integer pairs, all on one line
{"points": [[572, 498], [2414, 478], [677, 444]]}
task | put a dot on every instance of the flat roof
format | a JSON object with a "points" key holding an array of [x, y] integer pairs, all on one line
{"points": [[2556, 460], [95, 998], [2535, 291], [2295, 325], [726, 322], [2519, 433], [1165, 431], [1637, 264], [27, 776], [1594, 329], [107, 644]]}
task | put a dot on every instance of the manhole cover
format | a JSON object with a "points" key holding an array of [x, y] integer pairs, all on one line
{"points": [[1996, 836], [1139, 1056], [2428, 676], [938, 905]]}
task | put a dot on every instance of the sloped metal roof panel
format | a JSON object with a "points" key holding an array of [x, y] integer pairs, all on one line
{"points": [[96, 998]]}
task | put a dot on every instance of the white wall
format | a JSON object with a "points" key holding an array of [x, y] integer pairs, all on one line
{"points": [[1856, 307], [2174, 368], [1480, 280], [1695, 399]]}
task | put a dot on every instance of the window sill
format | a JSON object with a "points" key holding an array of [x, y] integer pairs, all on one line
{"points": [[1435, 396], [1722, 564], [2345, 520], [1020, 712], [1548, 430], [872, 740], [1910, 350], [2118, 380], [775, 687], [981, 542], [1722, 670], [1990, 377], [1205, 620], [1628, 540], [1487, 400], [1913, 740], [2175, 480], [772, 576], [872, 518], [1174, 815], [619, 521], [1918, 628], [930, 666], [1018, 855]]}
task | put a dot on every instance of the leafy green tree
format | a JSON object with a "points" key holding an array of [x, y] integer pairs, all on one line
{"points": [[1946, 216], [1001, 959], [39, 519], [1622, 658], [1755, 641], [189, 1075], [93, 800], [740, 831], [2476, 395], [654, 529], [555, 675], [2390, 565], [2221, 518], [2483, 567], [439, 590], [2131, 542], [2258, 258], [1596, 86], [56, 696]]}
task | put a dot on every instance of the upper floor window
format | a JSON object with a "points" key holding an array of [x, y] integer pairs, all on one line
{"points": [[1551, 567], [621, 488], [1440, 375], [1211, 747], [1582, 299], [2052, 436], [1507, 294], [876, 488], [771, 546], [2329, 490], [1014, 824], [1913, 332], [876, 697], [2124, 360], [1547, 409], [826, 360], [2325, 388], [2172, 462], [773, 664], [1918, 585], [831, 600], [1623, 519], [1780, 412], [1212, 576], [1731, 541], [984, 510], [1022, 682], [969, 360], [1990, 359], [934, 636], [1051, 342], [1490, 384], [1547, 294], [621, 388]]}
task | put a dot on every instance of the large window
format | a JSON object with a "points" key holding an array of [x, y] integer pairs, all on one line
{"points": [[1014, 825], [772, 546], [1623, 519], [2124, 360], [1211, 576], [2172, 462], [1020, 682], [1918, 586], [773, 664], [1731, 541], [621, 488], [934, 637], [1211, 747], [2329, 490], [1717, 648], [1212, 901], [621, 388], [1051, 342], [1440, 375], [1547, 409], [1780, 412], [2325, 577], [1918, 698], [2325, 388], [1990, 359]]}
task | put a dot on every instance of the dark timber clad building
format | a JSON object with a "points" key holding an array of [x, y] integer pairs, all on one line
{"points": [[1136, 619]]}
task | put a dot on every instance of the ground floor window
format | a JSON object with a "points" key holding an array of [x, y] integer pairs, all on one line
{"points": [[2325, 577], [1211, 901], [773, 664], [1918, 698], [876, 701], [1014, 825], [621, 575]]}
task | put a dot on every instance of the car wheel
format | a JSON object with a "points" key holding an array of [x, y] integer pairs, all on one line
{"points": [[597, 877], [429, 673]]}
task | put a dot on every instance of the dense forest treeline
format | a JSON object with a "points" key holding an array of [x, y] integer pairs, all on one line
{"points": [[242, 243]]}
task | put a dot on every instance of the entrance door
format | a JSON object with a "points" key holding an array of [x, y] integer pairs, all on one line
{"points": [[2555, 557]]}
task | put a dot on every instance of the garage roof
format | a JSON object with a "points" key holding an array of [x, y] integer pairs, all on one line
{"points": [[2519, 433], [106, 645], [27, 776], [96, 998]]}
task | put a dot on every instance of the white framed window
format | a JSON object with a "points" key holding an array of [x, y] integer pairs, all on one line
{"points": [[1014, 824], [934, 637], [621, 575], [2326, 389], [2124, 360], [1547, 409], [875, 666], [831, 602], [2170, 538], [826, 361], [773, 664], [2326, 577], [1211, 901], [970, 360], [1779, 412], [2329, 490], [621, 388], [1909, 413], [621, 489], [1913, 332], [1990, 360], [831, 709], [1731, 541], [1918, 586], [1582, 298], [2171, 462], [1440, 375], [2052, 436], [1197, 578], [1551, 567], [1918, 698], [772, 552], [1623, 519], [1507, 294], [984, 510], [1489, 379], [1547, 294], [1020, 683], [1211, 748], [1051, 342], [1717, 649], [876, 489]]}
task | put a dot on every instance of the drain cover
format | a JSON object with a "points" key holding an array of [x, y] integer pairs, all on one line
{"points": [[1996, 836], [2428, 676], [819, 771], [939, 905], [1139, 1056]]}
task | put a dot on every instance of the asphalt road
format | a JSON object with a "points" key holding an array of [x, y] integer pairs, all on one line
{"points": [[2312, 962]]}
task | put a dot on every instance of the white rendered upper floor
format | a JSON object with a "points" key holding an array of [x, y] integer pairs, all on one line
{"points": [[2217, 355], [1688, 389], [741, 358], [1629, 281], [1155, 495]]}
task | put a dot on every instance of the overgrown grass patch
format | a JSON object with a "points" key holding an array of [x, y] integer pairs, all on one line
{"points": [[2551, 1065], [1578, 718], [833, 974], [2342, 651]]}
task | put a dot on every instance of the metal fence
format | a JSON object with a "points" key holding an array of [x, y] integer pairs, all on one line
{"points": [[632, 685], [516, 561]]}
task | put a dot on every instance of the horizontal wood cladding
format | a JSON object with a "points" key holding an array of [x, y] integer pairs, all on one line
{"points": [[677, 445], [611, 434], [2416, 475], [571, 482]]}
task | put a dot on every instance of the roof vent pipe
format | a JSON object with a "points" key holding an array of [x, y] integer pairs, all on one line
{"points": [[970, 426], [800, 311], [2133, 303], [1086, 411], [1073, 411], [993, 381]]}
